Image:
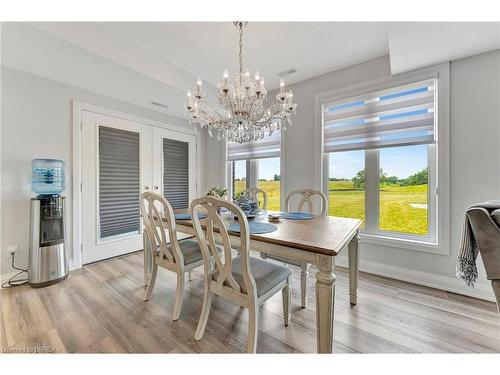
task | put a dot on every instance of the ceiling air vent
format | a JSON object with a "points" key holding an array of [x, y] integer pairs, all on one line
{"points": [[159, 104], [287, 72]]}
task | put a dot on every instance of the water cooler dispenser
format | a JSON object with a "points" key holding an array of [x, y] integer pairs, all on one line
{"points": [[48, 262]]}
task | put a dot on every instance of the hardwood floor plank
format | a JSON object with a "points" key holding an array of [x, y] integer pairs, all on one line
{"points": [[46, 343], [99, 309]]}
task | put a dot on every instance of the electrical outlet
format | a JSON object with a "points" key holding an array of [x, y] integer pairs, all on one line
{"points": [[12, 250]]}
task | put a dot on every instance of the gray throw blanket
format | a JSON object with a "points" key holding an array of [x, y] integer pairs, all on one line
{"points": [[469, 248]]}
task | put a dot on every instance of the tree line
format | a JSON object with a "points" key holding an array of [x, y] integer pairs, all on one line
{"points": [[419, 178]]}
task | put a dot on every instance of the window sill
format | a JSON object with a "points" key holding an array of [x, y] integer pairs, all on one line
{"points": [[404, 243]]}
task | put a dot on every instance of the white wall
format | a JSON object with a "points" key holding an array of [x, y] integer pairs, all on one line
{"points": [[474, 158], [37, 122]]}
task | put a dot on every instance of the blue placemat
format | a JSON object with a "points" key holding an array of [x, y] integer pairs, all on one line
{"points": [[296, 215], [188, 216], [255, 228]]}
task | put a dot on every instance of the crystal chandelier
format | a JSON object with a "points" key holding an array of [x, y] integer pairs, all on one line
{"points": [[240, 113]]}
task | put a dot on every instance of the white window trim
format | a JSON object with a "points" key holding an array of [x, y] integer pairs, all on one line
{"points": [[438, 241]]}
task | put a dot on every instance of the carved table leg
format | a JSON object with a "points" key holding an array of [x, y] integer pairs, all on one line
{"points": [[304, 274], [325, 298], [148, 260], [353, 269]]}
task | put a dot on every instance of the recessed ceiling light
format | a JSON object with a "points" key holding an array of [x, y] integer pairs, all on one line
{"points": [[159, 104], [287, 72]]}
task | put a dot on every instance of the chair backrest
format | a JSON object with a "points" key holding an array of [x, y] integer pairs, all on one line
{"points": [[487, 235], [306, 197], [207, 237], [153, 207], [254, 193]]}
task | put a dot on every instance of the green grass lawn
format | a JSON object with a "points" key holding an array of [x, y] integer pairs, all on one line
{"points": [[396, 210], [272, 188]]}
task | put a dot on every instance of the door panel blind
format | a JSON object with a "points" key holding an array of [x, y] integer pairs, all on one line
{"points": [[119, 182], [268, 147], [399, 116], [176, 172]]}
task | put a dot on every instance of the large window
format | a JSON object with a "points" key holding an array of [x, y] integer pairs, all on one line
{"points": [[269, 181], [256, 164], [239, 176], [380, 153]]}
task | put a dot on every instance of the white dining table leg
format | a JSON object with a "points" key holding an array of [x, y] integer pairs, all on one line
{"points": [[325, 300], [353, 269], [148, 260]]}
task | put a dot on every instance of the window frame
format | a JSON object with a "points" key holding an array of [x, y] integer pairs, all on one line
{"points": [[437, 240], [252, 171]]}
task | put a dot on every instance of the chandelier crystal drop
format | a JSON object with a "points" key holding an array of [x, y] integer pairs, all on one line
{"points": [[240, 113]]}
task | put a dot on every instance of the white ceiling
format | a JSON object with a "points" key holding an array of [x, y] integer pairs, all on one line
{"points": [[415, 45], [207, 48], [140, 62]]}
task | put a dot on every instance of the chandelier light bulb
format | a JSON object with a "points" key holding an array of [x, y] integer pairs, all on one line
{"points": [[282, 84], [257, 76], [247, 73]]}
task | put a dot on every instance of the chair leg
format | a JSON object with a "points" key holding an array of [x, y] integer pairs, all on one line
{"points": [[151, 283], [190, 275], [496, 289], [286, 294], [205, 311], [179, 295], [304, 274], [253, 327]]}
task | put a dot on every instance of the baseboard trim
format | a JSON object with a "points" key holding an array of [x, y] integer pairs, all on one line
{"points": [[482, 290]]}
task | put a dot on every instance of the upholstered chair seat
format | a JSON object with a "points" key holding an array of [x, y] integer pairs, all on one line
{"points": [[190, 249], [266, 274]]}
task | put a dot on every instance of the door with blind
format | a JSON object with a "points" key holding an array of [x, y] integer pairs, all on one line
{"points": [[174, 166], [116, 169]]}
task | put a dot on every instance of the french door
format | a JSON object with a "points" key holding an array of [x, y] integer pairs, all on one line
{"points": [[174, 166], [120, 160]]}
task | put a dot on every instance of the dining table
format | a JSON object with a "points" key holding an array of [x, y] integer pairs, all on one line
{"points": [[317, 241]]}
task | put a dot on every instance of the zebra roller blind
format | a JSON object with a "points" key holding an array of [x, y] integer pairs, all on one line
{"points": [[268, 147], [119, 182], [176, 172], [398, 116]]}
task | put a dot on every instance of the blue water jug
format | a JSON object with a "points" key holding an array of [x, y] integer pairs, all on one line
{"points": [[47, 176]]}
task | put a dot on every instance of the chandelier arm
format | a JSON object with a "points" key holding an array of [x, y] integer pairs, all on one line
{"points": [[241, 47]]}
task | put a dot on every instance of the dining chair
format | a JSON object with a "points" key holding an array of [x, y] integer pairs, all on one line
{"points": [[254, 193], [174, 255], [243, 280], [306, 198]]}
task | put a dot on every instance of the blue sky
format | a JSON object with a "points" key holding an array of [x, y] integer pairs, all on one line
{"points": [[267, 168], [395, 161]]}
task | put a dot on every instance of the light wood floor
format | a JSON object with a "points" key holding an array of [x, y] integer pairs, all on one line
{"points": [[100, 309]]}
